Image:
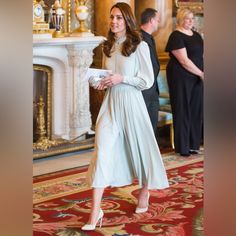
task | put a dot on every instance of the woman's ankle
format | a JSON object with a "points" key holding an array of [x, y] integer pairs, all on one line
{"points": [[142, 198], [143, 191], [93, 216]]}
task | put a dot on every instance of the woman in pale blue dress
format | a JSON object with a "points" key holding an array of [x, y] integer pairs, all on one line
{"points": [[125, 144]]}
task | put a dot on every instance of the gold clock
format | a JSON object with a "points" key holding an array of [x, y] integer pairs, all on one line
{"points": [[38, 13], [39, 25]]}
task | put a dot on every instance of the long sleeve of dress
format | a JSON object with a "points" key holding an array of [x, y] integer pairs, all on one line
{"points": [[143, 77]]}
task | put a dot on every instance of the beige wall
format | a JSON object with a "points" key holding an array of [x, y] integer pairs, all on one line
{"points": [[166, 26]]}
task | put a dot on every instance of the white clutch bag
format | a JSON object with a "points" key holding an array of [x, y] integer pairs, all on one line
{"points": [[94, 81], [94, 76]]}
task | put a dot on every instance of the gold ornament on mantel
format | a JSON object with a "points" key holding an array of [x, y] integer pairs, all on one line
{"points": [[81, 13], [57, 17], [43, 143], [40, 27]]}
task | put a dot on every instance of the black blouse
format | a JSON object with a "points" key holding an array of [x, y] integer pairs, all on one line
{"points": [[193, 45]]}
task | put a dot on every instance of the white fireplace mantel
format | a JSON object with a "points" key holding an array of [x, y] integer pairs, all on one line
{"points": [[69, 58]]}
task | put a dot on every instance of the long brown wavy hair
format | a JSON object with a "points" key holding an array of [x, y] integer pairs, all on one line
{"points": [[133, 36]]}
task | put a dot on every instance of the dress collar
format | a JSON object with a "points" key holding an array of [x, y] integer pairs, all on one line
{"points": [[121, 39]]}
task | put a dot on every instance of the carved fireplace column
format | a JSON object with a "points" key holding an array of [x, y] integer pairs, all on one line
{"points": [[80, 60], [69, 58]]}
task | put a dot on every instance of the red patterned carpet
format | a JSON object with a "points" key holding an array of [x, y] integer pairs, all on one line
{"points": [[62, 203]]}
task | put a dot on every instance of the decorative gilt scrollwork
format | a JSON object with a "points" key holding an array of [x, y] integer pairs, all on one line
{"points": [[196, 6]]}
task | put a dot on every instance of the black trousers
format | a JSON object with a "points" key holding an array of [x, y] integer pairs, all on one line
{"points": [[186, 96]]}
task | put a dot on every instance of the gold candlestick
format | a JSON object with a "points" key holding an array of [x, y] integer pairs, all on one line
{"points": [[40, 121], [43, 143]]}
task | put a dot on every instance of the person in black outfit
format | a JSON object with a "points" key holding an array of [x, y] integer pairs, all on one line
{"points": [[185, 80], [150, 19]]}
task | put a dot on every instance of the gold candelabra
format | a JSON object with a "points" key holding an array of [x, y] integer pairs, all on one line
{"points": [[43, 143]]}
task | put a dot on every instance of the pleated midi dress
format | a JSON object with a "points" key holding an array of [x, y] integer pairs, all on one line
{"points": [[125, 145]]}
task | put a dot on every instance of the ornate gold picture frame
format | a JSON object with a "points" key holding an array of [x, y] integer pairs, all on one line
{"points": [[195, 5]]}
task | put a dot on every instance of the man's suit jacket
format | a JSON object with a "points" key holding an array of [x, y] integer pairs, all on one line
{"points": [[152, 93]]}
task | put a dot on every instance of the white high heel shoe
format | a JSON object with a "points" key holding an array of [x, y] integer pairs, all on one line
{"points": [[143, 209], [93, 226]]}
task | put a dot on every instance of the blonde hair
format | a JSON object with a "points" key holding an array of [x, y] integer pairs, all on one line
{"points": [[181, 14]]}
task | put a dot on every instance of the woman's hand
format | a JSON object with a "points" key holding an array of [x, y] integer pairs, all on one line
{"points": [[182, 57], [101, 86], [112, 80]]}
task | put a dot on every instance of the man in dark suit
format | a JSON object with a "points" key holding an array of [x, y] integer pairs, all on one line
{"points": [[150, 19]]}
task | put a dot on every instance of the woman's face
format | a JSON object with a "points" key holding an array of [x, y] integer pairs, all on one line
{"points": [[117, 22], [188, 21]]}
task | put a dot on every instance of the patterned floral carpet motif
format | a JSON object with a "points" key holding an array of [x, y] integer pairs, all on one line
{"points": [[62, 204]]}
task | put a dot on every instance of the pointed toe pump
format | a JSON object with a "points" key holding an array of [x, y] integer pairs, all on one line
{"points": [[88, 227], [143, 209]]}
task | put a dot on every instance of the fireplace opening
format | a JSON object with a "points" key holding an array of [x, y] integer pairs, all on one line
{"points": [[42, 87]]}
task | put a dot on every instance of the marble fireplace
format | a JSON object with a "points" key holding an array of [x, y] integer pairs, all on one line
{"points": [[69, 58]]}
